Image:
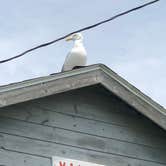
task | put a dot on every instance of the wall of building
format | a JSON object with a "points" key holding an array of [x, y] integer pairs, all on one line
{"points": [[89, 124]]}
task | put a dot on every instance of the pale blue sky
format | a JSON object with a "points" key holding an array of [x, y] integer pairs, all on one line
{"points": [[134, 46]]}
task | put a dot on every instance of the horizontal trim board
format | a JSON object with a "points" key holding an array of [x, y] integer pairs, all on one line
{"points": [[36, 147], [83, 126]]}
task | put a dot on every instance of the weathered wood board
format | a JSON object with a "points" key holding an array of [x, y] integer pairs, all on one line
{"points": [[89, 124]]}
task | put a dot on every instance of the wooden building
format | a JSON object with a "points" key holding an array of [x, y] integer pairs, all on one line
{"points": [[89, 114]]}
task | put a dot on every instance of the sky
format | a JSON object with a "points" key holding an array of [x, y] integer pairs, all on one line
{"points": [[134, 46]]}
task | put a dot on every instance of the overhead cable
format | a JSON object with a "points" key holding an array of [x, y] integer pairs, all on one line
{"points": [[80, 30]]}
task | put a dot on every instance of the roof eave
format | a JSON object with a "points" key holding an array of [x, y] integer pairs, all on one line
{"points": [[49, 85], [91, 75]]}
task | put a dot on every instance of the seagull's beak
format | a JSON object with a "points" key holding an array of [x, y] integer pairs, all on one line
{"points": [[69, 38]]}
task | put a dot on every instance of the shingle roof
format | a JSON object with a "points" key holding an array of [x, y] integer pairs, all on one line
{"points": [[87, 76]]}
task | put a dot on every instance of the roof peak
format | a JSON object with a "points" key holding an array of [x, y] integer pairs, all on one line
{"points": [[78, 78]]}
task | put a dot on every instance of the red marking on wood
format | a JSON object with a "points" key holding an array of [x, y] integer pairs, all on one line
{"points": [[60, 164]]}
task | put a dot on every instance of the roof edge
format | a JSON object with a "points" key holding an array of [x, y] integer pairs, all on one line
{"points": [[132, 88], [49, 85], [87, 76], [51, 77], [133, 96]]}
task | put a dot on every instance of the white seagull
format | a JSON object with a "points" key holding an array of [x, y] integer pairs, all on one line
{"points": [[77, 57]]}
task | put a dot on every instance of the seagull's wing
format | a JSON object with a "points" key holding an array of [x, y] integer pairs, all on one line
{"points": [[66, 60]]}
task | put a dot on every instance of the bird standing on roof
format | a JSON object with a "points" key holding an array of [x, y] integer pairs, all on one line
{"points": [[77, 57]]}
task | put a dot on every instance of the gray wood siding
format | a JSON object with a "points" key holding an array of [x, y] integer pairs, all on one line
{"points": [[89, 124]]}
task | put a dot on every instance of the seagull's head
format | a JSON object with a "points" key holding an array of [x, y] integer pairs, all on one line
{"points": [[74, 37]]}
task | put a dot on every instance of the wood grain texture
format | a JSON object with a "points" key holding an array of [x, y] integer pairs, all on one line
{"points": [[112, 134], [118, 122], [88, 76], [9, 158], [47, 149], [83, 141], [84, 126], [52, 86], [136, 99]]}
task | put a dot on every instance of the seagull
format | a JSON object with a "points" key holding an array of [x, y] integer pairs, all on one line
{"points": [[77, 57]]}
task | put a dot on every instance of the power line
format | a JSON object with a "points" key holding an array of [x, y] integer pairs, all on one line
{"points": [[80, 30]]}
